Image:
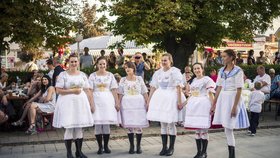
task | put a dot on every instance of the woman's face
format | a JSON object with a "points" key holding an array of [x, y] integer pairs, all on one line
{"points": [[102, 65], [165, 61], [226, 59], [73, 62], [45, 81], [129, 71], [197, 69]]}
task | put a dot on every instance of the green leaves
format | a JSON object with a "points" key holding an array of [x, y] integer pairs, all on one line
{"points": [[205, 22], [33, 23]]}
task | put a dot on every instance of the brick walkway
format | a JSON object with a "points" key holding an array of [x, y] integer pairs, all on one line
{"points": [[20, 138], [264, 145]]}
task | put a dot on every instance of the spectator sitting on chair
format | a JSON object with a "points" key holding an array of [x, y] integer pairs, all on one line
{"points": [[265, 80], [46, 104], [275, 85], [5, 106], [3, 81], [35, 86]]}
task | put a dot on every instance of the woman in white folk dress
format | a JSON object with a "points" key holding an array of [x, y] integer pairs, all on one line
{"points": [[230, 111], [165, 101], [133, 99], [74, 106], [103, 87], [198, 118]]}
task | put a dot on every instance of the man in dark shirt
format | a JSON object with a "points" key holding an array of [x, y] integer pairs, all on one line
{"points": [[57, 70]]}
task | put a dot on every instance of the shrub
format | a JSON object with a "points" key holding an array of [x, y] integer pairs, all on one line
{"points": [[249, 70]]}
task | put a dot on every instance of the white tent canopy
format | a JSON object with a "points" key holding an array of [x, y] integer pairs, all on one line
{"points": [[96, 44]]}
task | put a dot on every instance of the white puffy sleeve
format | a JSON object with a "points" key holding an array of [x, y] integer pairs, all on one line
{"points": [[60, 81], [154, 82], [177, 77], [239, 79], [219, 80], [86, 82], [113, 84], [143, 86], [91, 81], [121, 86], [210, 85]]}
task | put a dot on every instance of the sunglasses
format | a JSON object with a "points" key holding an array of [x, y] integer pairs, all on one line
{"points": [[74, 61], [137, 57]]}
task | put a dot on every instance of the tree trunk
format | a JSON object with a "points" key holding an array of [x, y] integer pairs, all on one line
{"points": [[180, 51]]}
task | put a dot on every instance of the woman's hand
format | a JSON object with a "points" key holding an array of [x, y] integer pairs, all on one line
{"points": [[179, 105], [233, 112], [77, 91], [117, 107], [92, 108], [212, 110]]}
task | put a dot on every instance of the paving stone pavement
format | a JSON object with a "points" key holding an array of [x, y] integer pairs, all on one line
{"points": [[264, 145], [20, 138]]}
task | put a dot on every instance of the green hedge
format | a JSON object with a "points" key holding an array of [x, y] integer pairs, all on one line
{"points": [[250, 72]]}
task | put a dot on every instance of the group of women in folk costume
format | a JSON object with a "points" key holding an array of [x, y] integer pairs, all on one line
{"points": [[99, 100]]}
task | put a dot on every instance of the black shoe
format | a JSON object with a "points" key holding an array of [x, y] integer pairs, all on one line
{"points": [[68, 144], [131, 143], [231, 151], [170, 150], [106, 138], [79, 144], [204, 148], [99, 142], [138, 147], [198, 146], [164, 145]]}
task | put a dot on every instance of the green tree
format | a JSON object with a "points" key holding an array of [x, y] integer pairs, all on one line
{"points": [[35, 23], [88, 24], [179, 26]]}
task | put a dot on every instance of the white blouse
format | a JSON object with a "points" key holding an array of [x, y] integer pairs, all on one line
{"points": [[202, 86], [102, 83], [64, 80], [231, 80], [167, 79], [136, 87]]}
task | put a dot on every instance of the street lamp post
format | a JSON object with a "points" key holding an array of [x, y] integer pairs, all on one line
{"points": [[78, 39]]}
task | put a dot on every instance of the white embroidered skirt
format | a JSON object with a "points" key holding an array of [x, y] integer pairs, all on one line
{"points": [[133, 112]]}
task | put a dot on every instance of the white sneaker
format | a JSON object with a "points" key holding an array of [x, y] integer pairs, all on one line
{"points": [[249, 132], [252, 134]]}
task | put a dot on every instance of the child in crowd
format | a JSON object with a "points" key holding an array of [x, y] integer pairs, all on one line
{"points": [[256, 100], [213, 75]]}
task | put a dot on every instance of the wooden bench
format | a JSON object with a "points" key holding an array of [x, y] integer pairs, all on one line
{"points": [[275, 102]]}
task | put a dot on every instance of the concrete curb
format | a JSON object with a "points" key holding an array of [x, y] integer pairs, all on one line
{"points": [[187, 132]]}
